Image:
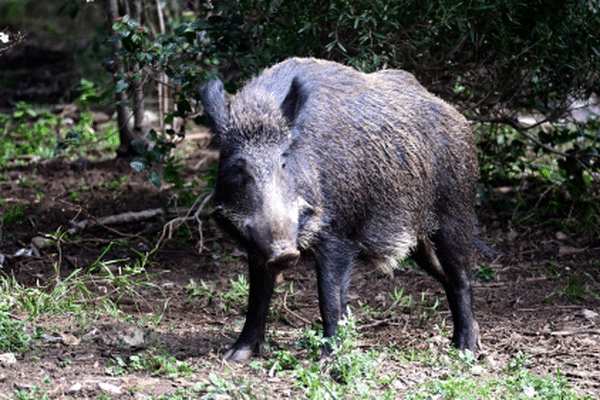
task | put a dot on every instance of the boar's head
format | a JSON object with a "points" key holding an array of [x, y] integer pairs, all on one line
{"points": [[258, 192]]}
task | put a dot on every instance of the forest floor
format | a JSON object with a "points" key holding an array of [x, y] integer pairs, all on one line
{"points": [[540, 299]]}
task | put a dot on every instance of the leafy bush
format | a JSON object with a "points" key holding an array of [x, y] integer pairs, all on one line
{"points": [[492, 59], [15, 214], [26, 132], [13, 337]]}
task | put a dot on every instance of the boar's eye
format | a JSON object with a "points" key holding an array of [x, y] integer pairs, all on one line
{"points": [[305, 215]]}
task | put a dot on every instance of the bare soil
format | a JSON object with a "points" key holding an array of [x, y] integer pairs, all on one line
{"points": [[537, 303]]}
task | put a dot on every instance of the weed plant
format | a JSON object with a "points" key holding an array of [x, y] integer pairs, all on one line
{"points": [[30, 131], [350, 371]]}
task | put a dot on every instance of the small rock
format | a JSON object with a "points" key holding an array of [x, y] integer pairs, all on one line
{"points": [[100, 117], [24, 252], [133, 336], [561, 236], [70, 340], [8, 358], [589, 314], [529, 391], [568, 250], [49, 338], [380, 298], [109, 388], [128, 335], [76, 387], [91, 334], [477, 370], [40, 242]]}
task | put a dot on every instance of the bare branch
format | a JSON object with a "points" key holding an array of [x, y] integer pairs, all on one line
{"points": [[8, 42], [513, 123], [176, 222]]}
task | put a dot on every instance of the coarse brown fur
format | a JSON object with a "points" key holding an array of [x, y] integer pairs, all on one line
{"points": [[345, 166], [408, 153]]}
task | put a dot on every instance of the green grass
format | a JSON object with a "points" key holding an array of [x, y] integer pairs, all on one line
{"points": [[156, 365], [467, 378], [207, 294], [378, 373], [13, 335], [352, 371], [33, 132], [75, 293], [485, 272], [14, 215]]}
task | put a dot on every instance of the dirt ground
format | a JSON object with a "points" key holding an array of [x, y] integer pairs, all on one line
{"points": [[535, 304]]}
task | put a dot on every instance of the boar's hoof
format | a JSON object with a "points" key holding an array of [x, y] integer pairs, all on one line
{"points": [[469, 341], [285, 260], [234, 354]]}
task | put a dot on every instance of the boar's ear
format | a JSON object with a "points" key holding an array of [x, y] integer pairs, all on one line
{"points": [[212, 97], [294, 100]]}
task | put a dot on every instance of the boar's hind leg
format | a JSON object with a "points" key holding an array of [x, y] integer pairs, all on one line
{"points": [[334, 262], [262, 281], [448, 258]]}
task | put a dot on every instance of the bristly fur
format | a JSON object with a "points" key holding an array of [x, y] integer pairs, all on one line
{"points": [[257, 121], [342, 166], [378, 152]]}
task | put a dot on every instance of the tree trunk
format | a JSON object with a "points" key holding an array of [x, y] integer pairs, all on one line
{"points": [[138, 94], [126, 134]]}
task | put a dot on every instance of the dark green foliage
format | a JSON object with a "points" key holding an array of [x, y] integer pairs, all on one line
{"points": [[13, 337], [501, 53], [16, 214], [485, 273], [493, 60]]}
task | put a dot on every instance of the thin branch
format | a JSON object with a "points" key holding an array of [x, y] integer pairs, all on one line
{"points": [[523, 131], [176, 222], [158, 81], [571, 332], [513, 123], [285, 307], [10, 43]]}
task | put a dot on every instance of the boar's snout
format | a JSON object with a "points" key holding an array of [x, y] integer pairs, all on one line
{"points": [[277, 246], [283, 259]]}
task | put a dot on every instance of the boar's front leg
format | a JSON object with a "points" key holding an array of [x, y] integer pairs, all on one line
{"points": [[335, 259], [262, 281]]}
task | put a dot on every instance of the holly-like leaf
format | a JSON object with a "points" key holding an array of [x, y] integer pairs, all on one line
{"points": [[154, 179], [121, 86], [139, 164]]}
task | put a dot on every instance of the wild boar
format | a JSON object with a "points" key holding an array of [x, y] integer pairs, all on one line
{"points": [[322, 161]]}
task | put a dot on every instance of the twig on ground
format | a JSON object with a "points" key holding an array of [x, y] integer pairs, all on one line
{"points": [[285, 307], [381, 322], [571, 332], [127, 217], [176, 222]]}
